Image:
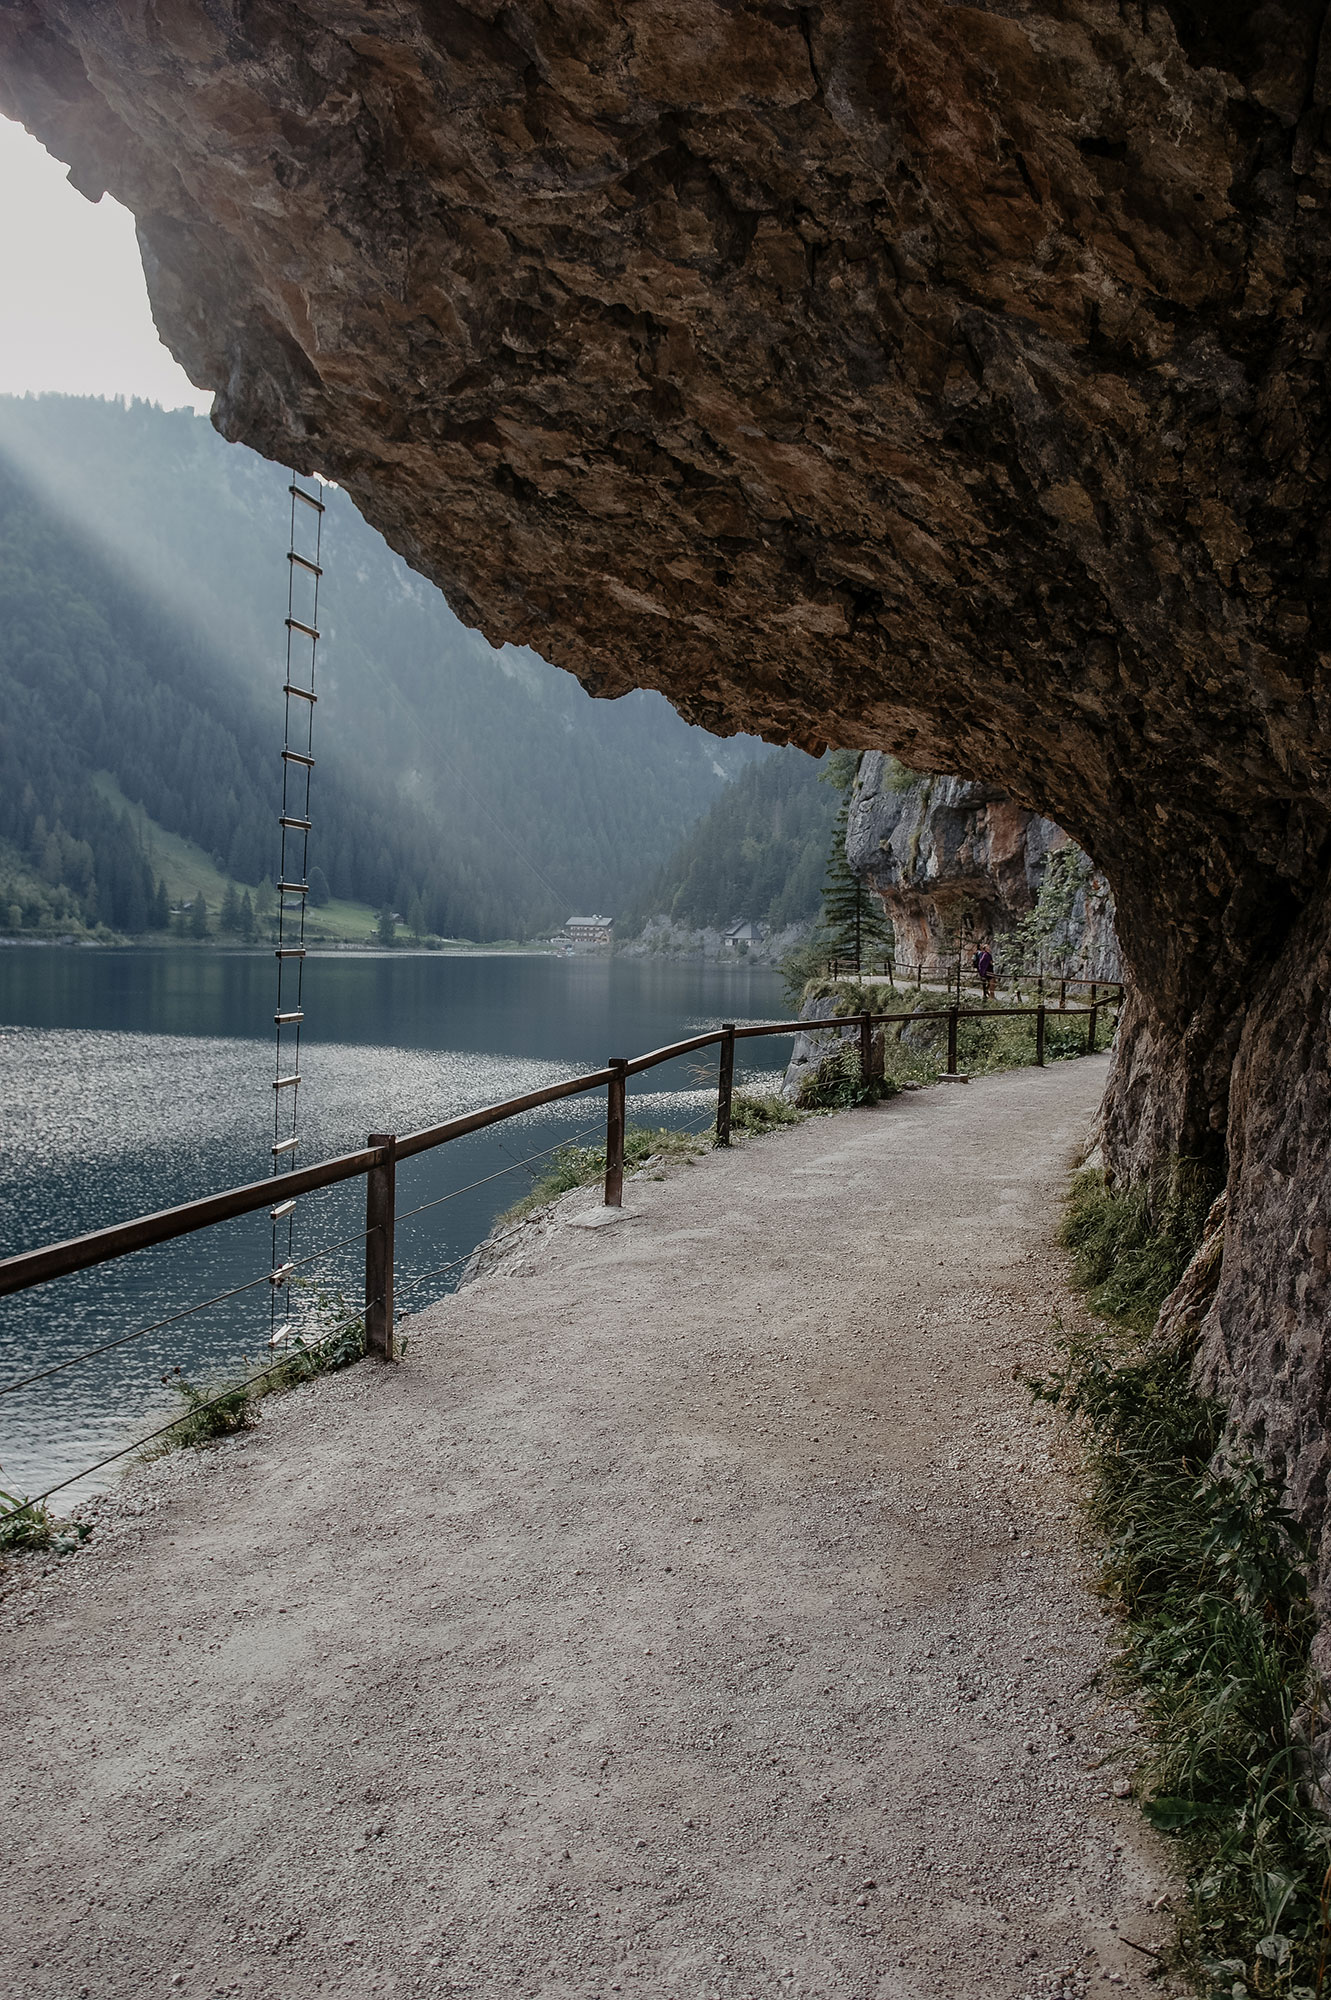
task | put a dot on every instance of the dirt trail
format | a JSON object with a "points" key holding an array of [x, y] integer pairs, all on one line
{"points": [[694, 1612]]}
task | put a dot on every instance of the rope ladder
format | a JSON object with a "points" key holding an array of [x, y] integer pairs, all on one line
{"points": [[304, 571]]}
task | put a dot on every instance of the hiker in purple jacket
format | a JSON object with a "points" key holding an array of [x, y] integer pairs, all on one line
{"points": [[984, 966]]}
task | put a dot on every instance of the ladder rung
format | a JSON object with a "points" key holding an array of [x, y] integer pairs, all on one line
{"points": [[286, 1145], [293, 888], [298, 757], [287, 1082], [290, 951], [294, 1015], [306, 694], [281, 1274], [308, 498], [304, 824], [305, 563], [299, 625], [282, 1208], [282, 1335]]}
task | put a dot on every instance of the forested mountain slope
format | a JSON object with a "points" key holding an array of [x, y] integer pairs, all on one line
{"points": [[759, 851], [142, 590]]}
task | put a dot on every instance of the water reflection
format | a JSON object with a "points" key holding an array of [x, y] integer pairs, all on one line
{"points": [[133, 1080]]}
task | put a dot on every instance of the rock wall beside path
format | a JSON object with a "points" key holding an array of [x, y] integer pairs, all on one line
{"points": [[937, 848]]}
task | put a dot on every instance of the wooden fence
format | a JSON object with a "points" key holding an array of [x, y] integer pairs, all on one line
{"points": [[377, 1161]]}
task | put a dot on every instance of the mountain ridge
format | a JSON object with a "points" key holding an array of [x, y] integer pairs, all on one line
{"points": [[142, 592]]}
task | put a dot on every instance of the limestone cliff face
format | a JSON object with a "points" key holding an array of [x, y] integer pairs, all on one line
{"points": [[936, 378], [934, 847]]}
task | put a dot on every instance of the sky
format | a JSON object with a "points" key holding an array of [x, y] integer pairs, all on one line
{"points": [[74, 311]]}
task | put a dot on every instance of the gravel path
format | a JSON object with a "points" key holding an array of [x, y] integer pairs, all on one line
{"points": [[694, 1612]]}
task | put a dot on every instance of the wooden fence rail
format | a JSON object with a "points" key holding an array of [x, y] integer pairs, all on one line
{"points": [[379, 1158]]}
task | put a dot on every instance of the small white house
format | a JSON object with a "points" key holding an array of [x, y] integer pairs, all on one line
{"points": [[743, 933], [589, 930]]}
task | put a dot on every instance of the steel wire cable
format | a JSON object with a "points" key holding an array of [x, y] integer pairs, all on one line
{"points": [[171, 1319], [122, 1340], [440, 1270], [485, 1179], [259, 1375], [358, 1236], [325, 1250]]}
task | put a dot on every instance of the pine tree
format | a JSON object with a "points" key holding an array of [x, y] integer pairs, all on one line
{"points": [[246, 917], [228, 918], [198, 917], [386, 927], [853, 924], [319, 891], [161, 917]]}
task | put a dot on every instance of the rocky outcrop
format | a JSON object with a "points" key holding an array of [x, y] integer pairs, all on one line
{"points": [[1265, 1345], [942, 379], [947, 852]]}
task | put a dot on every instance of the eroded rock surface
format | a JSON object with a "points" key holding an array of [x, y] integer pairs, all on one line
{"points": [[936, 378], [943, 850]]}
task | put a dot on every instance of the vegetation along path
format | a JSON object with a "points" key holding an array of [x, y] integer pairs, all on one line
{"points": [[695, 1611]]}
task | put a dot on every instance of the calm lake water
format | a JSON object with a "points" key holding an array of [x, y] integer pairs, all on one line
{"points": [[132, 1080]]}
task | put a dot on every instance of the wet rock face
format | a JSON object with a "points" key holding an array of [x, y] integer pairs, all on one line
{"points": [[944, 379], [940, 851]]}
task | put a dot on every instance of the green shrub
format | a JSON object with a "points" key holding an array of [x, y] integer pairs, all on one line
{"points": [[761, 1110], [1007, 1041], [835, 1083], [24, 1524]]}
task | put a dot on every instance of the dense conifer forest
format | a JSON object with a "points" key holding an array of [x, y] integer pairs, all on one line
{"points": [[142, 590], [759, 851]]}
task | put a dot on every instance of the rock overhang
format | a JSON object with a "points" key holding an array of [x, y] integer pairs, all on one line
{"points": [[944, 379], [924, 377]]}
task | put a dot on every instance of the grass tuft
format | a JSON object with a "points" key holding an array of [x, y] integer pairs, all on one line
{"points": [[29, 1528], [1131, 1247], [222, 1407], [583, 1166], [758, 1111], [212, 1410], [1208, 1572], [835, 1083]]}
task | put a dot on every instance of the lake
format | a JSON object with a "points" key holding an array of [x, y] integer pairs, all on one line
{"points": [[135, 1079]]}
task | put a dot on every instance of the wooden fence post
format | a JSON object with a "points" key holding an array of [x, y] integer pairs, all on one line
{"points": [[725, 1083], [380, 1202], [866, 1048], [1039, 1033], [952, 1041], [1062, 994], [1091, 1025], [614, 1133]]}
